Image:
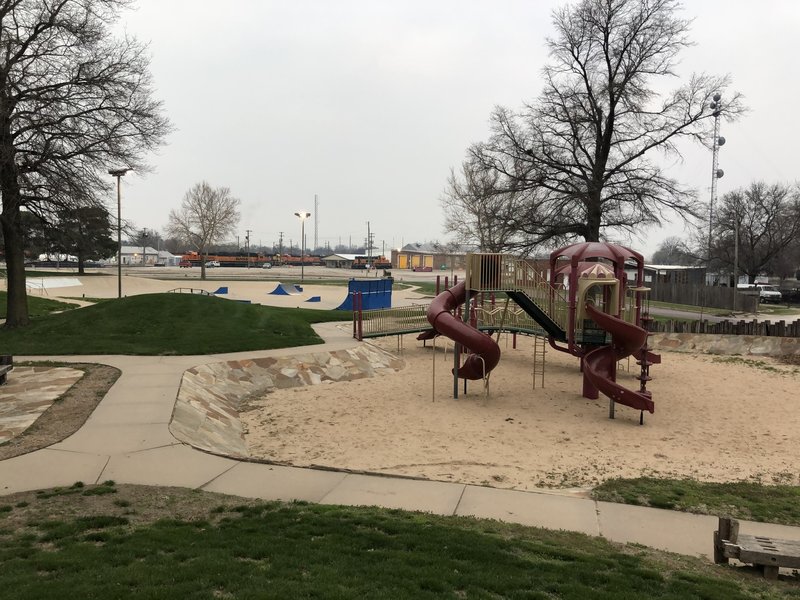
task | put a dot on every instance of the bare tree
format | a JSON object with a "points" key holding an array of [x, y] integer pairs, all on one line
{"points": [[74, 100], [768, 221], [480, 215], [586, 143], [207, 215], [674, 251]]}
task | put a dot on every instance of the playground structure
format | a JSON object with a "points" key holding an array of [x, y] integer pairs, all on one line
{"points": [[584, 308]]}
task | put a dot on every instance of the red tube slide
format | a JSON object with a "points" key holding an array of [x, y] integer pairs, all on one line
{"points": [[485, 352], [598, 365]]}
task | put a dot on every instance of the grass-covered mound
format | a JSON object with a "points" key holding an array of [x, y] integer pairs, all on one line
{"points": [[167, 324], [112, 541]]}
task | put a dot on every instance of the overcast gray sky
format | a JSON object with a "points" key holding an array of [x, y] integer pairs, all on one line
{"points": [[369, 103]]}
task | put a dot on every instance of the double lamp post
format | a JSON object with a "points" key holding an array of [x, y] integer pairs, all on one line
{"points": [[302, 215]]}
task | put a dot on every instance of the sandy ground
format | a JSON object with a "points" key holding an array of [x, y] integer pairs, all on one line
{"points": [[717, 419]]}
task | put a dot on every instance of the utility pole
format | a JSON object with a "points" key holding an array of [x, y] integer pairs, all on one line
{"points": [[716, 172], [280, 248], [247, 243], [370, 236]]}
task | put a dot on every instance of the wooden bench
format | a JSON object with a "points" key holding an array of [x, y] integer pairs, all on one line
{"points": [[6, 364], [766, 553]]}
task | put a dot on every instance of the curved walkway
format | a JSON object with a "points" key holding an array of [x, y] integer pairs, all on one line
{"points": [[127, 439]]}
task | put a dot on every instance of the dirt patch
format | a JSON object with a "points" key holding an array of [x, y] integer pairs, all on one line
{"points": [[138, 504], [68, 413]]}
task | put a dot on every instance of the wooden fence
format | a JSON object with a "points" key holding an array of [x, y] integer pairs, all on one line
{"points": [[703, 295], [765, 328]]}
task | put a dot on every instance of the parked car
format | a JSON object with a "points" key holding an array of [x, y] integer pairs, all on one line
{"points": [[791, 295], [266, 265], [185, 264], [766, 293], [212, 263]]}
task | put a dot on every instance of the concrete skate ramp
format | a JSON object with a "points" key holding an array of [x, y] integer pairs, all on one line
{"points": [[285, 289]]}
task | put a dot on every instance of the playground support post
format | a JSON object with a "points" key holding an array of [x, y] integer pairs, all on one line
{"points": [[358, 316], [457, 347]]}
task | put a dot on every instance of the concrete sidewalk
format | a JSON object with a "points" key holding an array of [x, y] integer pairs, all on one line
{"points": [[127, 439]]}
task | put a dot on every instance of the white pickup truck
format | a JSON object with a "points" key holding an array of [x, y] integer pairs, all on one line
{"points": [[766, 292]]}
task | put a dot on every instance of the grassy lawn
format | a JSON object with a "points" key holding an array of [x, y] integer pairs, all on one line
{"points": [[167, 324], [113, 541], [37, 306], [743, 500]]}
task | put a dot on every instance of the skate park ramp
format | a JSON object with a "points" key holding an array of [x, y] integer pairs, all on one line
{"points": [[286, 289], [375, 293]]}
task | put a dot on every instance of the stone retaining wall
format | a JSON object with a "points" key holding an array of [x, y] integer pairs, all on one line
{"points": [[206, 413], [754, 345]]}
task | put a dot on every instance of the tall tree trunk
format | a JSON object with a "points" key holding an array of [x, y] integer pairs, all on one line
{"points": [[11, 223], [17, 301], [594, 217]]}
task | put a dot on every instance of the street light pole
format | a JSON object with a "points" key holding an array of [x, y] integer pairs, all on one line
{"points": [[302, 215], [119, 173], [144, 247]]}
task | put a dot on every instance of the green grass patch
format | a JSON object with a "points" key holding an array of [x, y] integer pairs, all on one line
{"points": [[166, 324], [743, 499], [776, 309], [37, 306], [302, 551]]}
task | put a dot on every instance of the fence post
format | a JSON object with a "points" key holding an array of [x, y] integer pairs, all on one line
{"points": [[360, 300]]}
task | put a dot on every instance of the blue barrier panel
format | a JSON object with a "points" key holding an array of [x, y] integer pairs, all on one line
{"points": [[315, 299], [375, 293], [222, 290]]}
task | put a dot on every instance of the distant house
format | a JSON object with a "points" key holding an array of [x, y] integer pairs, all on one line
{"points": [[339, 261], [430, 255], [144, 256], [669, 274]]}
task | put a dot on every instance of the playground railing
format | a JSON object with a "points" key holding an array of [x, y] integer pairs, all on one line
{"points": [[505, 273], [507, 318], [190, 291], [391, 321]]}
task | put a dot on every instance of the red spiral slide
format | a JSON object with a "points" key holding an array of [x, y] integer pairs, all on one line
{"points": [[485, 351], [598, 365]]}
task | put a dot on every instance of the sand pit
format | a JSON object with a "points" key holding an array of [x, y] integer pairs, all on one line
{"points": [[717, 419]]}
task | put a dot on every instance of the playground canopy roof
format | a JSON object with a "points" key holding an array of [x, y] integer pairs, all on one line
{"points": [[586, 250]]}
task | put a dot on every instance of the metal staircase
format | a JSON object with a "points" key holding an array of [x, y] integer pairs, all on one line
{"points": [[523, 284]]}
